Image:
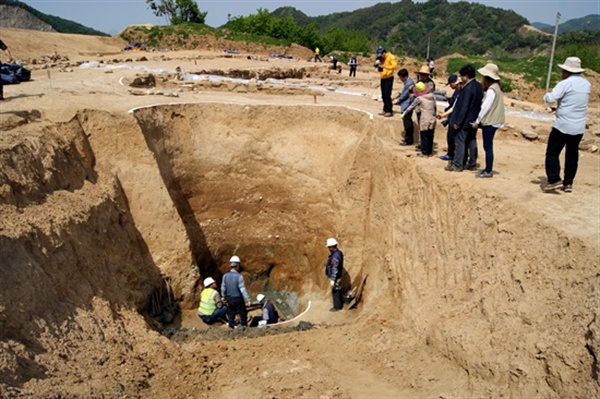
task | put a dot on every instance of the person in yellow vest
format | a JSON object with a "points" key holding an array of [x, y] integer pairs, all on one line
{"points": [[211, 308], [386, 64]]}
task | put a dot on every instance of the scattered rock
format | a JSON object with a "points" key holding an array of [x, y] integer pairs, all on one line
{"points": [[529, 135]]}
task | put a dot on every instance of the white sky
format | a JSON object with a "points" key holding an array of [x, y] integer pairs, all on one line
{"points": [[112, 16]]}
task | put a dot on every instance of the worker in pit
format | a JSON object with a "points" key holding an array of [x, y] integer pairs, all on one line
{"points": [[211, 308], [269, 313], [334, 269], [234, 290]]}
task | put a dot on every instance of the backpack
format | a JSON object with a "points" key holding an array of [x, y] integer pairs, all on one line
{"points": [[14, 73]]}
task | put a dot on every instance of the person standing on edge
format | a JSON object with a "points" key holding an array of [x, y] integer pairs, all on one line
{"points": [[405, 99], [425, 99], [211, 307], [572, 94], [491, 115], [463, 117], [334, 270], [233, 288], [451, 133], [353, 63], [4, 48], [386, 65]]}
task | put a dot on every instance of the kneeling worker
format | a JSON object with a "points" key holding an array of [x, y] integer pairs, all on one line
{"points": [[211, 308], [269, 313]]}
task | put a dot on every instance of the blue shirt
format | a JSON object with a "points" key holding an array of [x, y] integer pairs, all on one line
{"points": [[233, 286], [572, 95], [405, 100]]}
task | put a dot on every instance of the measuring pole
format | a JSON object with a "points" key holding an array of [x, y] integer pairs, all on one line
{"points": [[552, 52]]}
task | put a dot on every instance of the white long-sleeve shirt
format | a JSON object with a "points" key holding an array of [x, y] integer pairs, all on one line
{"points": [[488, 101], [572, 95]]}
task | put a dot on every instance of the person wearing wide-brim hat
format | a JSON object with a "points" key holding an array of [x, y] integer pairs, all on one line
{"points": [[572, 94], [425, 77], [491, 115]]}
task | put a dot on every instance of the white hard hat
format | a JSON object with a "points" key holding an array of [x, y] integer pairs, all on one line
{"points": [[332, 242], [260, 297], [208, 281], [234, 259]]}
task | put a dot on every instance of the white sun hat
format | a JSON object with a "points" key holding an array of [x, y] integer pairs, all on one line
{"points": [[260, 297], [572, 64]]}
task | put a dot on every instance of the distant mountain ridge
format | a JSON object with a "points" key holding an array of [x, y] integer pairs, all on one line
{"points": [[16, 14], [434, 27], [589, 22]]}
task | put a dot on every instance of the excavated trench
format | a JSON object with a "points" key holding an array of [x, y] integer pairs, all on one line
{"points": [[258, 182], [180, 188]]}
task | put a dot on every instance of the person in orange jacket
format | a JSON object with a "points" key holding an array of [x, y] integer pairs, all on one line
{"points": [[386, 64]]}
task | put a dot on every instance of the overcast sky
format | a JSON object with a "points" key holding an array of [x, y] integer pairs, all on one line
{"points": [[112, 16]]}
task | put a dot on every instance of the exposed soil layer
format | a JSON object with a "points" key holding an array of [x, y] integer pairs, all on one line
{"points": [[110, 195]]}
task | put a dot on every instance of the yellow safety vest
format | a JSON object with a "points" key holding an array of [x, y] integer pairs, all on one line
{"points": [[208, 305]]}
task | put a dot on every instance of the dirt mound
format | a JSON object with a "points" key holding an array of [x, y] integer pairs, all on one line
{"points": [[477, 287]]}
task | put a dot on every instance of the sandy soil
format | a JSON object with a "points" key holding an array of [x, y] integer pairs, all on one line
{"points": [[475, 288]]}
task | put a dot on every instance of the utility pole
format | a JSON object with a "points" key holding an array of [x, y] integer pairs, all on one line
{"points": [[552, 52], [428, 39]]}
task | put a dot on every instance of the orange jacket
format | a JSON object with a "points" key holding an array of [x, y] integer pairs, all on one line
{"points": [[389, 65]]}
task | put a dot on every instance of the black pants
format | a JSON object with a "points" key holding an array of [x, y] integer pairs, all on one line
{"points": [[236, 305], [556, 142], [1, 87], [338, 299], [427, 142], [387, 86], [450, 137], [409, 128], [353, 71]]}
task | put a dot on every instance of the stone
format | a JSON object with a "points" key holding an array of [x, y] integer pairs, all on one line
{"points": [[529, 135]]}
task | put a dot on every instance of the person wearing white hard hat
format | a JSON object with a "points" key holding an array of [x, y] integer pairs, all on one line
{"points": [[572, 94], [269, 313], [211, 308], [234, 290], [334, 270]]}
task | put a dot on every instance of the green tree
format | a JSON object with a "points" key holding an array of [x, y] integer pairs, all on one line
{"points": [[177, 11]]}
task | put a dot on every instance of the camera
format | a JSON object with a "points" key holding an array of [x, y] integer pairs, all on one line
{"points": [[445, 122], [377, 62]]}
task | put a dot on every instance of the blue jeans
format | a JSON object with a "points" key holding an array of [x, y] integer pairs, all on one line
{"points": [[217, 315], [488, 133]]}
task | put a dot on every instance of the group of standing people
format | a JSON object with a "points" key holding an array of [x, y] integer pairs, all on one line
{"points": [[474, 105]]}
